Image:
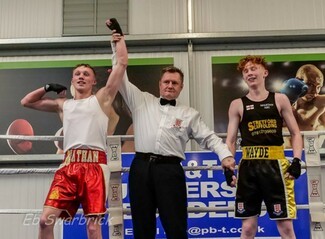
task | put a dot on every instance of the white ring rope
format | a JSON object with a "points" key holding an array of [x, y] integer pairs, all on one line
{"points": [[122, 137], [11, 171], [54, 138], [128, 210]]}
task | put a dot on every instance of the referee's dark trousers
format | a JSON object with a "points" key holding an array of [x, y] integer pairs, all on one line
{"points": [[158, 182]]}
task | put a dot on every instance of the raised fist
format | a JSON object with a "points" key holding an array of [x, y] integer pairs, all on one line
{"points": [[113, 24], [54, 87]]}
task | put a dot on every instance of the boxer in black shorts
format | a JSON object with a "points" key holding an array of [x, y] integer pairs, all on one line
{"points": [[264, 174]]}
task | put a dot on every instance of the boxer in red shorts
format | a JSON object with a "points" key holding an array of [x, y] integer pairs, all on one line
{"points": [[71, 186], [80, 179]]}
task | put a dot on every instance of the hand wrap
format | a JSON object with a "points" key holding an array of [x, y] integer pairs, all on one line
{"points": [[54, 87], [228, 175], [115, 26], [295, 168]]}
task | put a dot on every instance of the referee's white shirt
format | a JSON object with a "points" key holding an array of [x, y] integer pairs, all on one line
{"points": [[165, 130]]}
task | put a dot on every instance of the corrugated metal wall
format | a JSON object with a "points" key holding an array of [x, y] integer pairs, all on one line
{"points": [[158, 16], [43, 18], [32, 18], [84, 17], [23, 192], [256, 15]]}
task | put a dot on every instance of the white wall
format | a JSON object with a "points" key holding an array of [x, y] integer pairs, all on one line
{"points": [[43, 18], [23, 192], [256, 15], [157, 16], [30, 19]]}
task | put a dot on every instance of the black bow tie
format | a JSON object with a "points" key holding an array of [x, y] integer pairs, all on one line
{"points": [[165, 102]]}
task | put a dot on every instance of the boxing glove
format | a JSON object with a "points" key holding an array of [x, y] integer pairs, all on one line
{"points": [[293, 89], [54, 87]]}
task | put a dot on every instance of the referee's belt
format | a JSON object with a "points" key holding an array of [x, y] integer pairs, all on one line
{"points": [[263, 152], [85, 156], [157, 158]]}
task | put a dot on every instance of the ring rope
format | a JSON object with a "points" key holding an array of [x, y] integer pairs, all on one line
{"points": [[54, 138], [122, 137], [11, 171], [128, 210]]}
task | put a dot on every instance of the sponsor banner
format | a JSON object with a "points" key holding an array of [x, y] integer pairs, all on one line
{"points": [[207, 188]]}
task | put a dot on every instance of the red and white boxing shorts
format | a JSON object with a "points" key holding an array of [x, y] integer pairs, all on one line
{"points": [[81, 179]]}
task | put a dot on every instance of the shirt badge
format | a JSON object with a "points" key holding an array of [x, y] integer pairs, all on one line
{"points": [[177, 123], [249, 107]]}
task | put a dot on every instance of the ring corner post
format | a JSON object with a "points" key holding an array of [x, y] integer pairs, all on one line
{"points": [[314, 177], [115, 197]]}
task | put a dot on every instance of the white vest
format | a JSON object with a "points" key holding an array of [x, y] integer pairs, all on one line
{"points": [[84, 124]]}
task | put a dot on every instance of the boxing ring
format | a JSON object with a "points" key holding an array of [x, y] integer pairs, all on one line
{"points": [[25, 180]]}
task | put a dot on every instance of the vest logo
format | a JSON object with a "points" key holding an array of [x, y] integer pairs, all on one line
{"points": [[262, 124], [267, 106], [256, 152], [249, 107]]}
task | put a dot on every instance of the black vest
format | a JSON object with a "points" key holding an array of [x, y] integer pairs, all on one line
{"points": [[261, 123]]}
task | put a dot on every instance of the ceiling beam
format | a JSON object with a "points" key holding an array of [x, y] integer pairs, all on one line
{"points": [[165, 42]]}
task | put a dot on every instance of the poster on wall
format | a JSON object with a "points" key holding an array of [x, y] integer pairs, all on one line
{"points": [[20, 78], [309, 108]]}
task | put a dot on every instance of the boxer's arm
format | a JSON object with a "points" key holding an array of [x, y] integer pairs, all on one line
{"points": [[107, 94], [229, 164], [286, 111], [37, 100], [113, 24], [234, 117], [296, 139]]}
